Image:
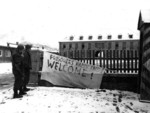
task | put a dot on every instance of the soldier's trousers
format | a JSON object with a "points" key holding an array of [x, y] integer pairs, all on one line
{"points": [[18, 81], [27, 76]]}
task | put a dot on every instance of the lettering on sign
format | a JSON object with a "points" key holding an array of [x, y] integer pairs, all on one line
{"points": [[61, 70]]}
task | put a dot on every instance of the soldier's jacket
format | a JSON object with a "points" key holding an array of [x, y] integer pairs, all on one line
{"points": [[27, 60], [17, 64]]}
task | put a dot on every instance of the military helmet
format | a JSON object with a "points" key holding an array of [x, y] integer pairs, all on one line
{"points": [[28, 46], [20, 47]]}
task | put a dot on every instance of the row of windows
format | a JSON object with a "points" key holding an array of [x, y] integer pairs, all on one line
{"points": [[100, 37], [101, 45], [101, 54], [6, 53]]}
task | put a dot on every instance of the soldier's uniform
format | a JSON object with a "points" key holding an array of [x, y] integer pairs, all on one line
{"points": [[17, 68], [27, 66]]}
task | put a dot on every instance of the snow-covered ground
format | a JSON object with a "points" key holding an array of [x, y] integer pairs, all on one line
{"points": [[5, 68], [69, 100]]}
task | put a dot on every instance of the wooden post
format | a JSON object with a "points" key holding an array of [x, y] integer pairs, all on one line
{"points": [[121, 61], [114, 67], [132, 60], [128, 61], [100, 58], [117, 58], [124, 56], [93, 57]]}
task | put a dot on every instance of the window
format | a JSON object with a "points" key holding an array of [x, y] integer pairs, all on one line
{"points": [[124, 45], [81, 38], [1, 52], [7, 53], [71, 37], [109, 36], [130, 36], [99, 37], [102, 45], [64, 46], [83, 46], [117, 45], [97, 45], [76, 46], [119, 36], [109, 45], [70, 46], [90, 37], [89, 45], [131, 45]]}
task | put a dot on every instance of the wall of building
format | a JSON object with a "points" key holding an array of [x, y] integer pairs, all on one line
{"points": [[99, 45], [5, 54]]}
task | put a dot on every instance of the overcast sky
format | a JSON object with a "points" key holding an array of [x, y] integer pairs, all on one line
{"points": [[50, 21]]}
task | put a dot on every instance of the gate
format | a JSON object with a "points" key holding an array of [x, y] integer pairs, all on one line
{"points": [[115, 61]]}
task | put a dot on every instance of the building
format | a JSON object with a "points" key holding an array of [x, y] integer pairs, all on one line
{"points": [[118, 54], [5, 53], [109, 42]]}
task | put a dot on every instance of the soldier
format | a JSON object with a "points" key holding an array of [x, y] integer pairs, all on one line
{"points": [[17, 68], [27, 65]]}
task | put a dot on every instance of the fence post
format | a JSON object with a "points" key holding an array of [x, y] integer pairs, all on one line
{"points": [[107, 59], [121, 61], [128, 61], [114, 58], [132, 59], [136, 62], [93, 57], [124, 56], [117, 59], [100, 58]]}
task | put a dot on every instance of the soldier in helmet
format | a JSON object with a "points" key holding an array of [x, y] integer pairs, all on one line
{"points": [[17, 68], [27, 66]]}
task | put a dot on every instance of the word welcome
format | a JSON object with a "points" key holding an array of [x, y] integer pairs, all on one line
{"points": [[59, 66]]}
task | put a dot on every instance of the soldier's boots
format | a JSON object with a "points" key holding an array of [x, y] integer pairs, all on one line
{"points": [[22, 92], [26, 89], [16, 95]]}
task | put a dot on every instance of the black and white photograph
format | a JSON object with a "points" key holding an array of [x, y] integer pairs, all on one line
{"points": [[74, 56]]}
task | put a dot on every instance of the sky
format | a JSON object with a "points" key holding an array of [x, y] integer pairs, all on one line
{"points": [[50, 21]]}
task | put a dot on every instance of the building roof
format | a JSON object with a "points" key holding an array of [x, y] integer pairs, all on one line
{"points": [[144, 17], [3, 44], [105, 37]]}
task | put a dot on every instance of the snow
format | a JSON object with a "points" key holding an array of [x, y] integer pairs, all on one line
{"points": [[5, 68], [69, 100]]}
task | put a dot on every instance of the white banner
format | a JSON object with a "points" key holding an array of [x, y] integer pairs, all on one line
{"points": [[63, 71]]}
